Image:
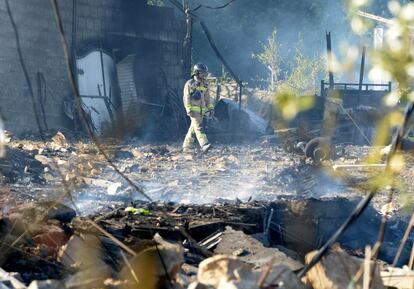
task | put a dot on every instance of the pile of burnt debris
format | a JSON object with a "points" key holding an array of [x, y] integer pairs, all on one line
{"points": [[96, 234], [167, 245]]}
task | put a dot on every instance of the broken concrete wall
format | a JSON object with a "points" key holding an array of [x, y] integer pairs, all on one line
{"points": [[121, 28]]}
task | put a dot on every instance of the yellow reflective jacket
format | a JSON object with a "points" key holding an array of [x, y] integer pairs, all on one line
{"points": [[200, 104]]}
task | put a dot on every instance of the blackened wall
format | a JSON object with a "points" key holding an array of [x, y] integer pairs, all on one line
{"points": [[121, 27], [42, 53]]}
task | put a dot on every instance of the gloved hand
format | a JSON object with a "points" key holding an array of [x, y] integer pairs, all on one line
{"points": [[210, 113]]}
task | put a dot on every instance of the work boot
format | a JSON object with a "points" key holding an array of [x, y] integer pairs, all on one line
{"points": [[385, 151], [187, 150], [206, 147]]}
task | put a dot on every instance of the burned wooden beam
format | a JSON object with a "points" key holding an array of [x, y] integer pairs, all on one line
{"points": [[362, 69], [329, 52], [354, 166], [206, 253]]}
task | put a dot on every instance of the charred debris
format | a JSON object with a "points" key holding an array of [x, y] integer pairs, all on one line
{"points": [[97, 194]]}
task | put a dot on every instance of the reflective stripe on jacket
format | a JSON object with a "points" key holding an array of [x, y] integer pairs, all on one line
{"points": [[193, 104]]}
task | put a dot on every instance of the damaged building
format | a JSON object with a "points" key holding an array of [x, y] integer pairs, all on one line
{"points": [[130, 62]]}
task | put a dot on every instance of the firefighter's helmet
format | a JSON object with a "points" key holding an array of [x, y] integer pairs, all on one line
{"points": [[200, 68]]}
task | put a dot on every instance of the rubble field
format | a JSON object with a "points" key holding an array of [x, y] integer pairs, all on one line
{"points": [[195, 242], [244, 215], [258, 171]]}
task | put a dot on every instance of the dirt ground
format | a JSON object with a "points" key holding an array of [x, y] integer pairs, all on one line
{"points": [[243, 172], [267, 195]]}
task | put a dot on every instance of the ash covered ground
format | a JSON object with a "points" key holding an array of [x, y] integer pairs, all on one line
{"points": [[303, 204], [227, 173]]}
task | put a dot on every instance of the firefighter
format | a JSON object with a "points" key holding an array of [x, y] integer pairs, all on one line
{"points": [[197, 105]]}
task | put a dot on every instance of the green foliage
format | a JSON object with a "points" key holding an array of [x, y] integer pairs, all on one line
{"points": [[304, 73], [270, 58], [301, 80], [155, 2], [241, 29], [395, 60]]}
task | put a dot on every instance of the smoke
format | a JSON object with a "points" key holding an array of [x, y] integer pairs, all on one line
{"points": [[2, 140], [242, 27]]}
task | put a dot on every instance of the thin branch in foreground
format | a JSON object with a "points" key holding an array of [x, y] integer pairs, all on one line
{"points": [[363, 204], [367, 271], [403, 241], [78, 101], [39, 127]]}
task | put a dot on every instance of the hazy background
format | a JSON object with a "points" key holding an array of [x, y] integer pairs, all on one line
{"points": [[240, 29]]}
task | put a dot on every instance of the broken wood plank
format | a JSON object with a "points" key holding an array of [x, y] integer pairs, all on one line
{"points": [[398, 278], [97, 182], [336, 167], [212, 240], [206, 253], [4, 275], [176, 209]]}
